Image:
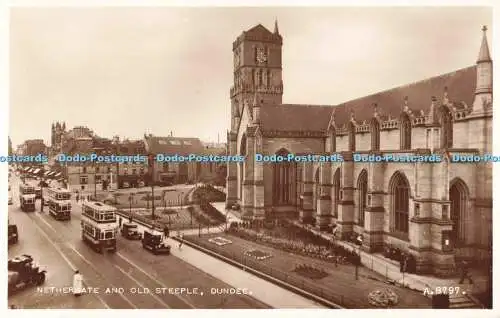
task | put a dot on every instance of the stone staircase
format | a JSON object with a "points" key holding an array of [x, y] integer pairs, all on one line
{"points": [[461, 301]]}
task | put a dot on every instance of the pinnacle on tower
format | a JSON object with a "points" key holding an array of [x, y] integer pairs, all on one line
{"points": [[484, 51], [276, 30]]}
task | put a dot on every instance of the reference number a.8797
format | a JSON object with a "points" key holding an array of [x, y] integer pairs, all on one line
{"points": [[442, 291]]}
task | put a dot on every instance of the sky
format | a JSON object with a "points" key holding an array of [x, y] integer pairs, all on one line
{"points": [[130, 71]]}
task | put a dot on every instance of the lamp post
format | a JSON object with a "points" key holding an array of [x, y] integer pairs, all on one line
{"points": [[356, 269], [130, 198], [95, 182], [152, 167]]}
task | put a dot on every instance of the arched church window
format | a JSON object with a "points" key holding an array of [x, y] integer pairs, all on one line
{"points": [[336, 189], [375, 134], [284, 181], [405, 131], [362, 196], [458, 195], [400, 192], [446, 128]]}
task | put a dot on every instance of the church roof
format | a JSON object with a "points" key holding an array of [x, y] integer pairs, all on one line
{"points": [[259, 33], [460, 86], [174, 145], [289, 117], [258, 30]]}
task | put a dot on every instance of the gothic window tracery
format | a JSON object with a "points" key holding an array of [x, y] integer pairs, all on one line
{"points": [[284, 181], [400, 193], [375, 134], [405, 131], [336, 189], [362, 196]]}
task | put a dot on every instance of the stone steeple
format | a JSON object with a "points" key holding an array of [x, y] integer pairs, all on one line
{"points": [[484, 79], [276, 30], [484, 51]]}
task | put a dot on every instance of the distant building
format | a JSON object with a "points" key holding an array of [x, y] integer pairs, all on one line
{"points": [[86, 176], [33, 147], [177, 172], [131, 174]]}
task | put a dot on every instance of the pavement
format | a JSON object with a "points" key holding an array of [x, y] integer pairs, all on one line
{"points": [[129, 279], [425, 283], [232, 216], [260, 289]]}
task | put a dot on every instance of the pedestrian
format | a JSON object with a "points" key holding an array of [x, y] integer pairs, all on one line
{"points": [[465, 273], [181, 240], [77, 283], [166, 232], [41, 204], [130, 219], [405, 263], [401, 263], [119, 221], [77, 198]]}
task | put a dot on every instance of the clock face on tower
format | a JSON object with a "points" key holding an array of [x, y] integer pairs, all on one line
{"points": [[261, 56]]}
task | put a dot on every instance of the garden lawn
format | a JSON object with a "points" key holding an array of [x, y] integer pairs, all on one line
{"points": [[340, 282], [179, 219], [139, 199]]}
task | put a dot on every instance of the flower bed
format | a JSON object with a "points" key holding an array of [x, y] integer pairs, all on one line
{"points": [[208, 193], [312, 246], [310, 272], [383, 298], [258, 254], [220, 241]]}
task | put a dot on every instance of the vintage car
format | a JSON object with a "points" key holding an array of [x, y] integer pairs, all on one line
{"points": [[13, 234], [130, 231], [153, 241], [23, 272]]}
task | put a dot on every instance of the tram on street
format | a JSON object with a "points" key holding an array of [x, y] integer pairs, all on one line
{"points": [[27, 197], [99, 228], [59, 202]]}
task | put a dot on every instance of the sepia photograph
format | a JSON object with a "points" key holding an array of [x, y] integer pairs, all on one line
{"points": [[250, 158]]}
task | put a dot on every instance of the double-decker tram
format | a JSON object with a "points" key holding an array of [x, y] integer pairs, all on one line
{"points": [[99, 228], [27, 197], [59, 203]]}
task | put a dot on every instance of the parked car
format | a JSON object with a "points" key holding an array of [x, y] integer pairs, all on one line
{"points": [[13, 234], [23, 272], [153, 241], [130, 231]]}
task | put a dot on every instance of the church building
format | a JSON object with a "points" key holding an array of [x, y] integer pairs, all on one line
{"points": [[434, 211]]}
